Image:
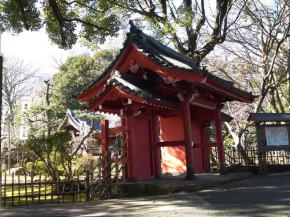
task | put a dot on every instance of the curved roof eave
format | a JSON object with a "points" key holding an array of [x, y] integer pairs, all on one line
{"points": [[163, 56]]}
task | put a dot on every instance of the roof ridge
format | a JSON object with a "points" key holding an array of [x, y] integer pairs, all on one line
{"points": [[135, 31], [151, 46]]}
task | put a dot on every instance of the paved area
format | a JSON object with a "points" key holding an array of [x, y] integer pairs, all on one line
{"points": [[256, 196], [173, 184]]}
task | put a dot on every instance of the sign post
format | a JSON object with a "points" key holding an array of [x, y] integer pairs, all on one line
{"points": [[273, 133]]}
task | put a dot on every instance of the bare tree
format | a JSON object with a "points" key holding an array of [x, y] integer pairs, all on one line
{"points": [[17, 77], [257, 56], [260, 42], [195, 28]]}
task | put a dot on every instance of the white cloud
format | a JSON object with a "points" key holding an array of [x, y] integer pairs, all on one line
{"points": [[36, 49]]}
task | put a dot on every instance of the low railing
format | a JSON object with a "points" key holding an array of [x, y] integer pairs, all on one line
{"points": [[100, 183], [248, 157], [25, 190]]}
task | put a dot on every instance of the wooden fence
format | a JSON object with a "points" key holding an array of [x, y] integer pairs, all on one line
{"points": [[100, 183], [25, 190], [248, 157]]}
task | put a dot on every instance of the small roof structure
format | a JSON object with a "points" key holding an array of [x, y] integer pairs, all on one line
{"points": [[225, 117], [269, 117], [80, 124]]}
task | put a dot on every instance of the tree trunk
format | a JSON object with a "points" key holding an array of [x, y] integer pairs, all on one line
{"points": [[288, 65], [239, 144]]}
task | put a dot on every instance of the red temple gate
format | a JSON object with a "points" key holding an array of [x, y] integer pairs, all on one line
{"points": [[166, 103]]}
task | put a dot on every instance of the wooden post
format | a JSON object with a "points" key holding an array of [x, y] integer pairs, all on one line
{"points": [[105, 137], [265, 166], [52, 191], [261, 152], [130, 164], [108, 179], [157, 150], [79, 193], [19, 185], [73, 191], [25, 181], [5, 182], [205, 148], [32, 186], [190, 174], [39, 187], [12, 186], [87, 185], [45, 187], [260, 160], [105, 145], [57, 188], [124, 153], [219, 140]]}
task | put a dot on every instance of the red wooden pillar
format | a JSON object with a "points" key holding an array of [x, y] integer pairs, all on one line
{"points": [[130, 164], [205, 147], [105, 137], [157, 150], [188, 141], [219, 140], [125, 141], [105, 145]]}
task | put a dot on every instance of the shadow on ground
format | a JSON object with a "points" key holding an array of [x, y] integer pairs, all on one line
{"points": [[258, 196]]}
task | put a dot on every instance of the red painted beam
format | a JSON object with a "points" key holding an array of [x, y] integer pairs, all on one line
{"points": [[91, 92], [228, 92], [105, 109], [204, 103], [170, 143], [101, 99], [142, 100], [212, 144], [116, 131], [119, 160], [180, 143]]}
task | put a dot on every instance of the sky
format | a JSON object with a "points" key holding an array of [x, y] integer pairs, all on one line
{"points": [[36, 49]]}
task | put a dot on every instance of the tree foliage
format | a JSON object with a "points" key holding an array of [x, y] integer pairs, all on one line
{"points": [[56, 152], [75, 75], [194, 27]]}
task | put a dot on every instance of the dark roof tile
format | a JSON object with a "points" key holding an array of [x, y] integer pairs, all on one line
{"points": [[134, 86], [167, 57], [269, 117]]}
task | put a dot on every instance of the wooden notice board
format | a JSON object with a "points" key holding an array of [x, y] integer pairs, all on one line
{"points": [[273, 137], [273, 133]]}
